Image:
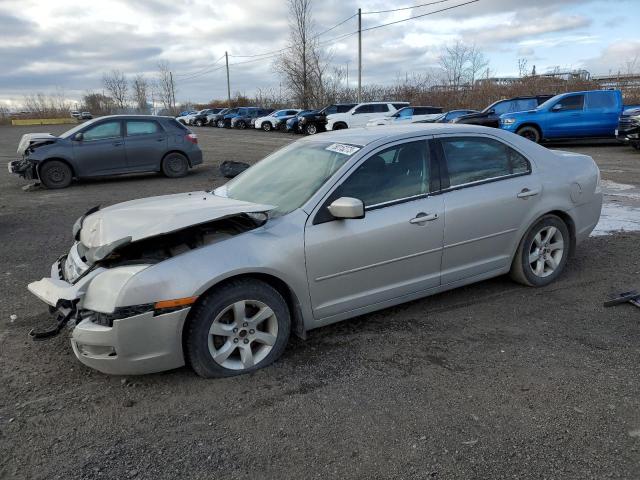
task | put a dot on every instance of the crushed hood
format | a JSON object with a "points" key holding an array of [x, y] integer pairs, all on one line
{"points": [[31, 138], [148, 217]]}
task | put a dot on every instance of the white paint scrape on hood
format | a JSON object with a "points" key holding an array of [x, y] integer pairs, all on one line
{"points": [[28, 138], [148, 217]]}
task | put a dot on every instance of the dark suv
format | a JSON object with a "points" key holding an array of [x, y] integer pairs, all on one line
{"points": [[629, 127], [315, 121], [490, 116], [108, 146], [246, 115], [201, 118]]}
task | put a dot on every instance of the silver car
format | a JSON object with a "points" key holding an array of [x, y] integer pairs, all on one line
{"points": [[329, 227]]}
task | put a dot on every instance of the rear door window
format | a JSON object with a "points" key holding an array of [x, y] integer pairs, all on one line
{"points": [[602, 101], [364, 109], [476, 159], [379, 108], [141, 127], [398, 106], [503, 107]]}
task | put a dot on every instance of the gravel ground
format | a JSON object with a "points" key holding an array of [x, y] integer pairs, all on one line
{"points": [[493, 380]]}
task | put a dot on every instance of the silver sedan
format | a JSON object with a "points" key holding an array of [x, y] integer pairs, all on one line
{"points": [[330, 227]]}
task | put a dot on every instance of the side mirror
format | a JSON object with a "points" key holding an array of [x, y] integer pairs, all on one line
{"points": [[347, 207], [78, 137], [492, 111], [556, 108]]}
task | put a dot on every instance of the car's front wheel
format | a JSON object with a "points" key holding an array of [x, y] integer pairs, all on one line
{"points": [[55, 174], [198, 123], [175, 165], [238, 328], [220, 123], [266, 126], [241, 125], [542, 253], [530, 133], [311, 129]]}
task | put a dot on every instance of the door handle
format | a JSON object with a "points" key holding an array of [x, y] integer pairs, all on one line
{"points": [[525, 193], [117, 144], [423, 217]]}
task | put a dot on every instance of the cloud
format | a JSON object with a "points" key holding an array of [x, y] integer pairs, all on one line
{"points": [[620, 56]]}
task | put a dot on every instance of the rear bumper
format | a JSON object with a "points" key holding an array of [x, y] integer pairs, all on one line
{"points": [[195, 157], [132, 346]]}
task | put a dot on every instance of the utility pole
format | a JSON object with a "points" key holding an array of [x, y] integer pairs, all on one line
{"points": [[359, 55], [347, 75], [172, 100], [226, 59]]}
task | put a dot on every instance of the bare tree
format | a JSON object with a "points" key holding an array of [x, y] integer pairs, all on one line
{"points": [[461, 64], [523, 67], [98, 104], [139, 89], [116, 84], [165, 87], [302, 65]]}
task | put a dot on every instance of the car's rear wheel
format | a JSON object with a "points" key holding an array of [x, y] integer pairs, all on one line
{"points": [[530, 133], [198, 123], [266, 126], [55, 174], [175, 165], [241, 125], [220, 123], [238, 328], [311, 129], [542, 253], [636, 145]]}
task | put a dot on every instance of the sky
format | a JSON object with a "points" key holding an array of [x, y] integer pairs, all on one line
{"points": [[65, 46]]}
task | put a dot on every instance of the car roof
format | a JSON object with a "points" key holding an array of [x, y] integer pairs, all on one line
{"points": [[130, 117], [367, 135]]}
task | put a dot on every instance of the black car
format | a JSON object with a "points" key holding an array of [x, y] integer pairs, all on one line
{"points": [[629, 127], [108, 146], [246, 115], [292, 123], [314, 122], [217, 120], [201, 118], [490, 116]]}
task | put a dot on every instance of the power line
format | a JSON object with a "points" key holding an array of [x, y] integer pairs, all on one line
{"points": [[418, 16], [198, 71], [287, 48], [405, 8]]}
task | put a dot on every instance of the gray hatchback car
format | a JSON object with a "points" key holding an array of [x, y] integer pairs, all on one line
{"points": [[327, 228], [108, 146]]}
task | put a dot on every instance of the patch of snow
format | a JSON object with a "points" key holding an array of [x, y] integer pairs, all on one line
{"points": [[617, 218], [609, 185]]}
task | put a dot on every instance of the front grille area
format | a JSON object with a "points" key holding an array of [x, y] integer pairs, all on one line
{"points": [[626, 123], [106, 319]]}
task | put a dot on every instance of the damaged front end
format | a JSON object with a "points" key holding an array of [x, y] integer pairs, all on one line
{"points": [[27, 167], [86, 286]]}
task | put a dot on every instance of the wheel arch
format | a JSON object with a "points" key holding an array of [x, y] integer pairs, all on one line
{"points": [[565, 217], [533, 125], [175, 150], [59, 159], [340, 124], [297, 321]]}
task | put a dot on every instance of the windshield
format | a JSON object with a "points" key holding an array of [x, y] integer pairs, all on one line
{"points": [[287, 178]]}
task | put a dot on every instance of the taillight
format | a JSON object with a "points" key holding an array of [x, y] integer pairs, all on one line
{"points": [[192, 137]]}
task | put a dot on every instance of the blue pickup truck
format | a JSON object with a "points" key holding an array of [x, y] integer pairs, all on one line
{"points": [[591, 113]]}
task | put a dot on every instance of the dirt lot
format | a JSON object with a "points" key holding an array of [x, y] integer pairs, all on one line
{"points": [[492, 381]]}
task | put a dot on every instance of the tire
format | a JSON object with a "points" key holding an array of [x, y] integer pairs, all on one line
{"points": [[241, 125], [266, 126], [220, 123], [220, 344], [530, 133], [311, 129], [55, 174], [635, 145], [545, 245], [175, 165], [198, 123]]}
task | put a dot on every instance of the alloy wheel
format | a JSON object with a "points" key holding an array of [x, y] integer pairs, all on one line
{"points": [[243, 334], [546, 251]]}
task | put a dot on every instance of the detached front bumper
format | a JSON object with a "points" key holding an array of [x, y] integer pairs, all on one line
{"points": [[25, 168], [133, 343], [132, 346]]}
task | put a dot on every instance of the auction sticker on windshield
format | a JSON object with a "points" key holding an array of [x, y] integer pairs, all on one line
{"points": [[342, 148]]}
